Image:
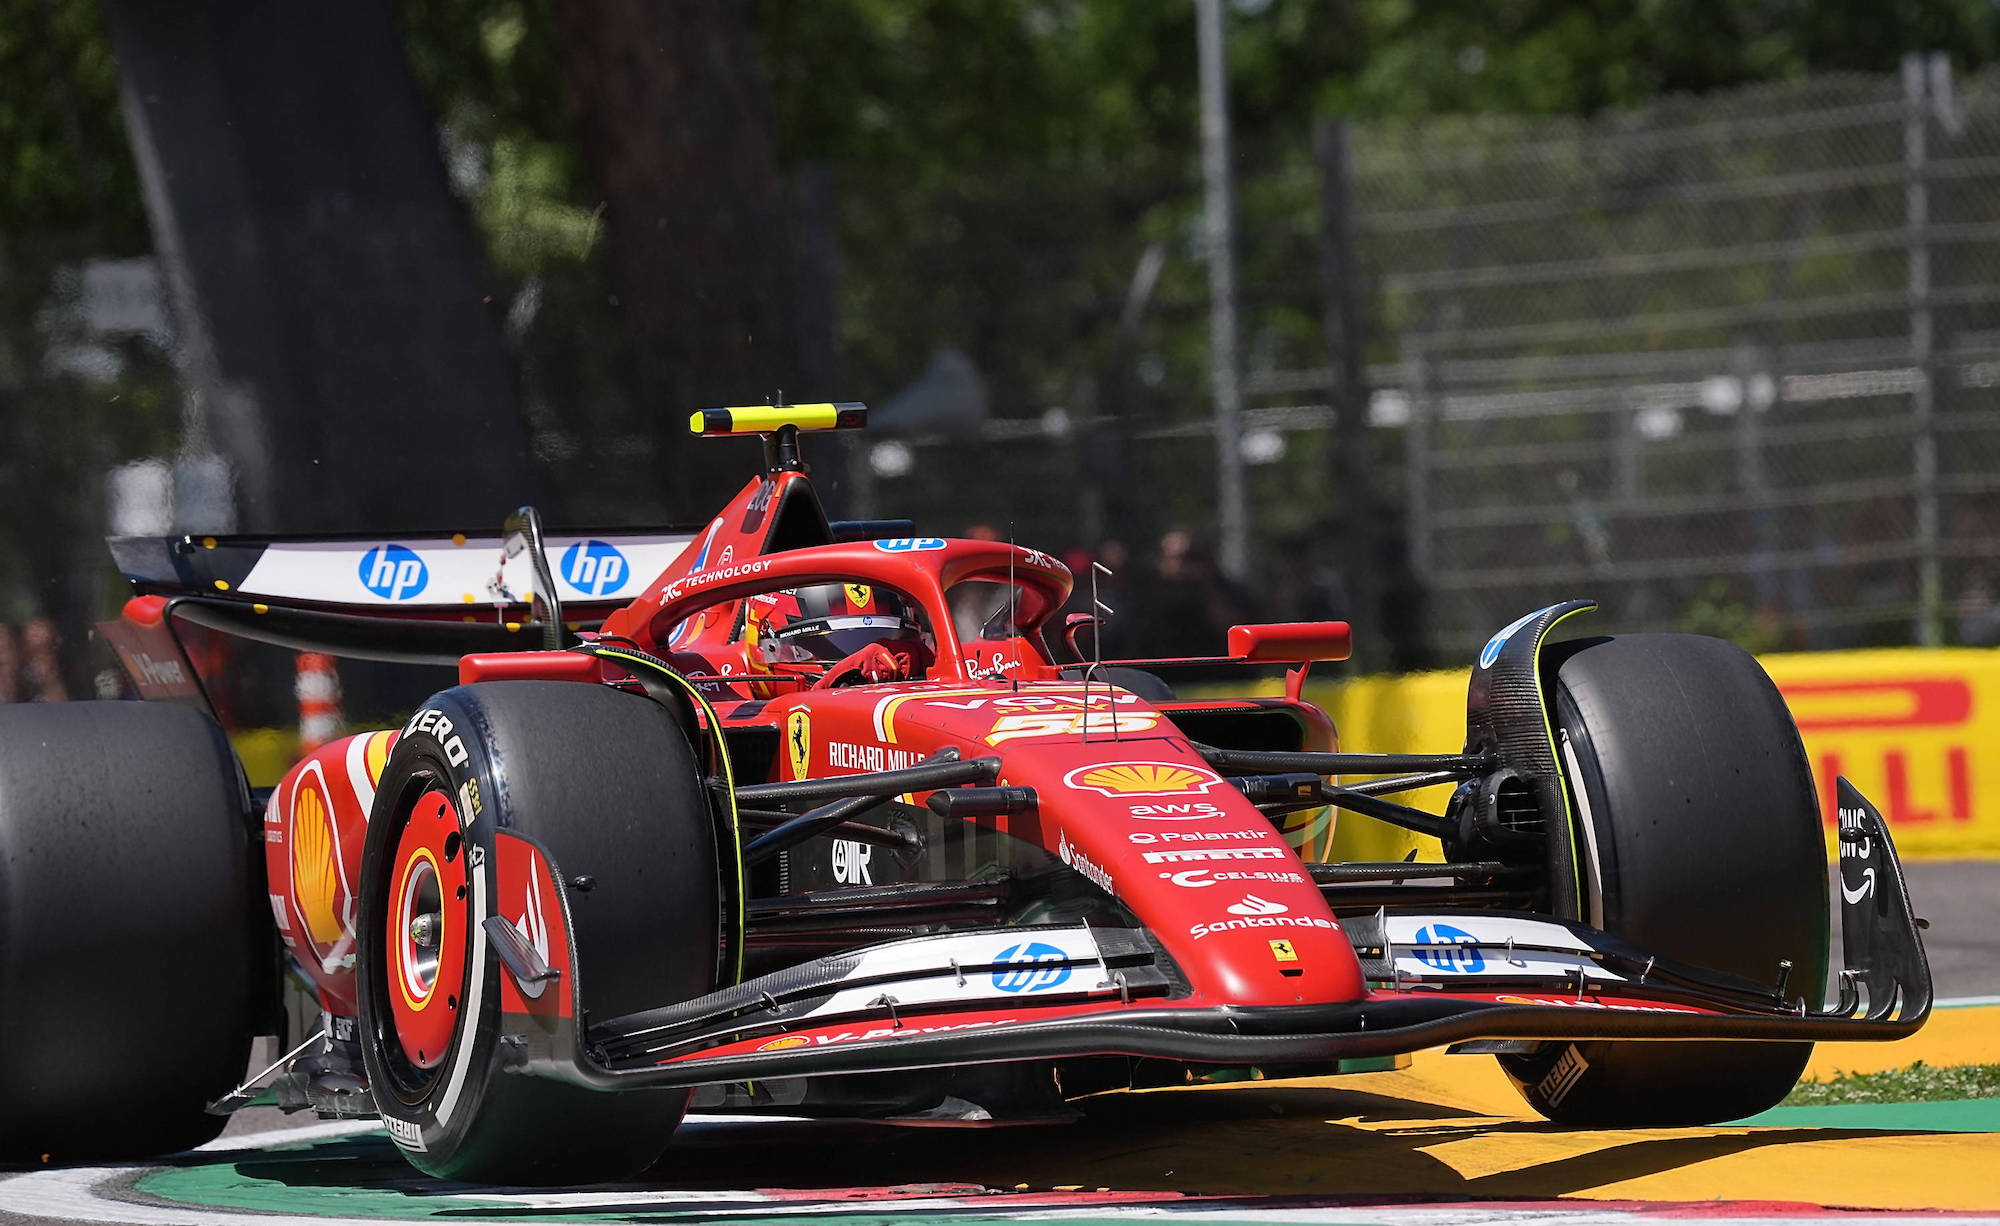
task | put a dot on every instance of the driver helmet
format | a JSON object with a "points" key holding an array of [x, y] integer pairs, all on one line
{"points": [[828, 622]]}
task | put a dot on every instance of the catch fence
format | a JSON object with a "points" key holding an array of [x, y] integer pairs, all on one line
{"points": [[1728, 364]]}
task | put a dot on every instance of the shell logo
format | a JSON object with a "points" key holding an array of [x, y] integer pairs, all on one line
{"points": [[1141, 779], [787, 1041], [315, 869], [377, 754]]}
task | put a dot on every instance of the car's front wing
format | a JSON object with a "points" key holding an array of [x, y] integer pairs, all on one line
{"points": [[1056, 992]]}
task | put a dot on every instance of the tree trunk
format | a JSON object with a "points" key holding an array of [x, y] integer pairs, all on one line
{"points": [[675, 121], [328, 293]]}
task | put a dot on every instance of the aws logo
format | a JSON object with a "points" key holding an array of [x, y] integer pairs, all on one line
{"points": [[595, 568]]}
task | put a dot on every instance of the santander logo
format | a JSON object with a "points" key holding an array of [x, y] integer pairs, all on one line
{"points": [[1253, 905]]}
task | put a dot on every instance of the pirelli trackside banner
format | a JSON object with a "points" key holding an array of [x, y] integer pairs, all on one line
{"points": [[1917, 731]]}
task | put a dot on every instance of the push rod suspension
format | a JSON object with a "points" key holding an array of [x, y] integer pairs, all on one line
{"points": [[1459, 766], [1404, 870], [1306, 791], [939, 771], [1388, 811], [823, 820], [1402, 783], [853, 832]]}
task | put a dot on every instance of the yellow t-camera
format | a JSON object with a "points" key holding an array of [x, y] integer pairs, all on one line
{"points": [[765, 418]]}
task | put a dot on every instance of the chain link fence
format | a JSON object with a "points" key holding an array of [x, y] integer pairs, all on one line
{"points": [[1727, 365]]}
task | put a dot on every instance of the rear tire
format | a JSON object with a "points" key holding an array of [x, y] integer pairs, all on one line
{"points": [[130, 935], [1699, 838], [607, 784]]}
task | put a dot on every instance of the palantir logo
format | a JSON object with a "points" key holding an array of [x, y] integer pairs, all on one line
{"points": [[1450, 949], [595, 568], [393, 572], [1030, 972]]}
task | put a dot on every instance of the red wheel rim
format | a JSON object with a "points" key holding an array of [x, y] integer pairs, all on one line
{"points": [[426, 931]]}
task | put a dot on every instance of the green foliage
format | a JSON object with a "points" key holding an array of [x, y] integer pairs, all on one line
{"points": [[1579, 56], [1919, 1083], [63, 157]]}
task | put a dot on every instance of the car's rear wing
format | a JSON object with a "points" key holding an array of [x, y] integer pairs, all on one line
{"points": [[418, 598], [451, 574], [425, 598]]}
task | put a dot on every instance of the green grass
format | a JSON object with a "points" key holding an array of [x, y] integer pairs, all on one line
{"points": [[1919, 1083]]}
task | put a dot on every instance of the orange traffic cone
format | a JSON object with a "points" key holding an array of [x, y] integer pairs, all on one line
{"points": [[318, 690]]}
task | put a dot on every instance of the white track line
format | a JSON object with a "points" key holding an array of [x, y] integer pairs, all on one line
{"points": [[71, 1195], [1965, 1002]]}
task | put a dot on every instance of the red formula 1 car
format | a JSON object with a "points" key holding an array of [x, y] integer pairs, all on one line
{"points": [[806, 817]]}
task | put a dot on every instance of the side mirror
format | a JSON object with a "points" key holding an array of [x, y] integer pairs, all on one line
{"points": [[1291, 642], [1074, 625], [522, 534]]}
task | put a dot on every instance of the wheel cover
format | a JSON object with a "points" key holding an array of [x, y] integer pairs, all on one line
{"points": [[425, 933]]}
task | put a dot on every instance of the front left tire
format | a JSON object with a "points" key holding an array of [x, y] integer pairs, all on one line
{"points": [[607, 786]]}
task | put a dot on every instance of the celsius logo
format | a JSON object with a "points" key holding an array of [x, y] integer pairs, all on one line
{"points": [[1449, 949], [393, 572], [1253, 905], [595, 568], [1030, 971], [910, 544]]}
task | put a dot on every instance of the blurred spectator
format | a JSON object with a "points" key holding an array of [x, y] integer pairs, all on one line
{"points": [[1303, 590], [1189, 605], [1979, 611], [10, 665], [42, 676]]}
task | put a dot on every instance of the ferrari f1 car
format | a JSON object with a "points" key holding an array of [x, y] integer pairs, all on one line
{"points": [[807, 817]]}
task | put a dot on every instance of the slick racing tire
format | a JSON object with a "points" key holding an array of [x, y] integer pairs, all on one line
{"points": [[1699, 838], [607, 785], [132, 932]]}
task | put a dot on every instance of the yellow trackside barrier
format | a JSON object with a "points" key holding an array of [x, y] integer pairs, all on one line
{"points": [[1918, 731], [266, 753]]}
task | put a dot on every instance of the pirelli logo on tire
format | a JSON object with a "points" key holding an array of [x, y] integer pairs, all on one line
{"points": [[1561, 1079], [406, 1133]]}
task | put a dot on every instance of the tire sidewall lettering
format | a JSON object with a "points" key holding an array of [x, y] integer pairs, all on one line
{"points": [[442, 739]]}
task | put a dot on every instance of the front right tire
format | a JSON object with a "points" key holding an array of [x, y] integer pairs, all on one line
{"points": [[1699, 837]]}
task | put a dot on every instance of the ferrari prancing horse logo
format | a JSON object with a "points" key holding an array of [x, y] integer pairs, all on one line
{"points": [[798, 739]]}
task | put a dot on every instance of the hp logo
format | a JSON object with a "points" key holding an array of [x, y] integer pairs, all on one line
{"points": [[595, 568], [910, 544], [393, 572], [1029, 973], [1443, 954]]}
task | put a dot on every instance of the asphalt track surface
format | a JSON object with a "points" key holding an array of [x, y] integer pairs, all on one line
{"points": [[1445, 1141]]}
